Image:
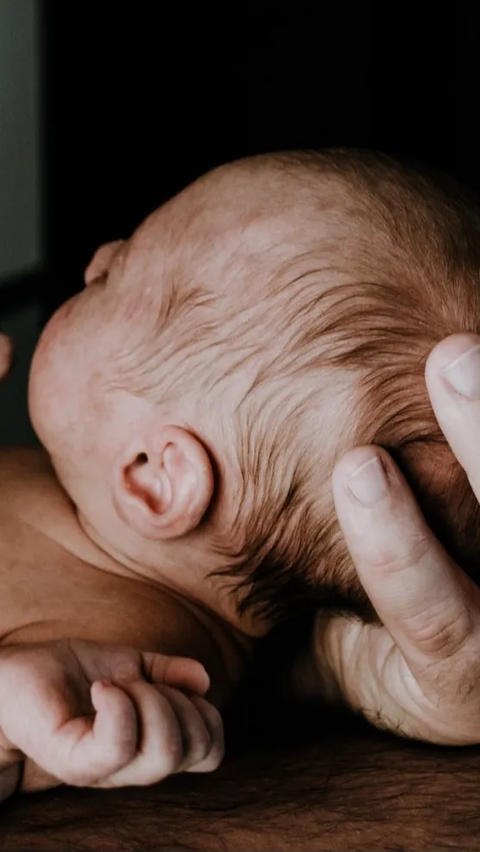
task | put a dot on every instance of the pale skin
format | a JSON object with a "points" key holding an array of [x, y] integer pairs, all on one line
{"points": [[132, 562], [75, 709], [82, 711], [125, 560], [125, 556], [417, 675]]}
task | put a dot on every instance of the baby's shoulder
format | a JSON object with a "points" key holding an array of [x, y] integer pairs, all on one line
{"points": [[27, 479], [73, 591]]}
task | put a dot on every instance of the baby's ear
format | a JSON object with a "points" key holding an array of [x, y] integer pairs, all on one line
{"points": [[163, 488], [101, 260]]}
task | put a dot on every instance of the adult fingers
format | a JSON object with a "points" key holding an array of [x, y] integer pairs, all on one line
{"points": [[430, 608], [453, 380]]}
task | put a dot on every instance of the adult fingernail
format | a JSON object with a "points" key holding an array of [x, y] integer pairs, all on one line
{"points": [[368, 483], [463, 374]]}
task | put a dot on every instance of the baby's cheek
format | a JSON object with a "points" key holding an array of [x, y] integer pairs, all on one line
{"points": [[52, 402], [56, 329]]}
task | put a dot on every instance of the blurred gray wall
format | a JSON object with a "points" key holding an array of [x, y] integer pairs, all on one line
{"points": [[20, 199], [20, 248]]}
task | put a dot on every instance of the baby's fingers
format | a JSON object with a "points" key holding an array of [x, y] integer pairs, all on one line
{"points": [[5, 355], [85, 750], [178, 733], [160, 748], [179, 672], [214, 725], [201, 731]]}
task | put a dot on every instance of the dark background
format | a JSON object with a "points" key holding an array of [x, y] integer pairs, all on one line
{"points": [[140, 98]]}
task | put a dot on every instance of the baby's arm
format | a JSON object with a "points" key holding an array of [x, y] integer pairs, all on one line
{"points": [[104, 716]]}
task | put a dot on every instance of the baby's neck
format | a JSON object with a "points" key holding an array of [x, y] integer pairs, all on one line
{"points": [[32, 492], [56, 583], [178, 568]]}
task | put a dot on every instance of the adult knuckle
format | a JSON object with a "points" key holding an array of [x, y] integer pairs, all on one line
{"points": [[400, 553], [443, 631]]}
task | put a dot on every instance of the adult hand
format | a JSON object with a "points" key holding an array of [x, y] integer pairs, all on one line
{"points": [[419, 674]]}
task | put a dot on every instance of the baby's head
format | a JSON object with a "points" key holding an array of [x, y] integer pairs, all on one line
{"points": [[196, 395]]}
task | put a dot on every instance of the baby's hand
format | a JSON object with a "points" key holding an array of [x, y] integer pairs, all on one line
{"points": [[106, 716], [5, 355]]}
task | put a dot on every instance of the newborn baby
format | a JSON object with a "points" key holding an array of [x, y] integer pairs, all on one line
{"points": [[192, 401]]}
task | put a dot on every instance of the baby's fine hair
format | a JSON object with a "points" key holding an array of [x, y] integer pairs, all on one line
{"points": [[397, 271], [348, 269]]}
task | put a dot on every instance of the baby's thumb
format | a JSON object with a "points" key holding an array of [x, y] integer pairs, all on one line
{"points": [[180, 672]]}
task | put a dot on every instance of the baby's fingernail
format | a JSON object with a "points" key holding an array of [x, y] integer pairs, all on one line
{"points": [[463, 374], [368, 483]]}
